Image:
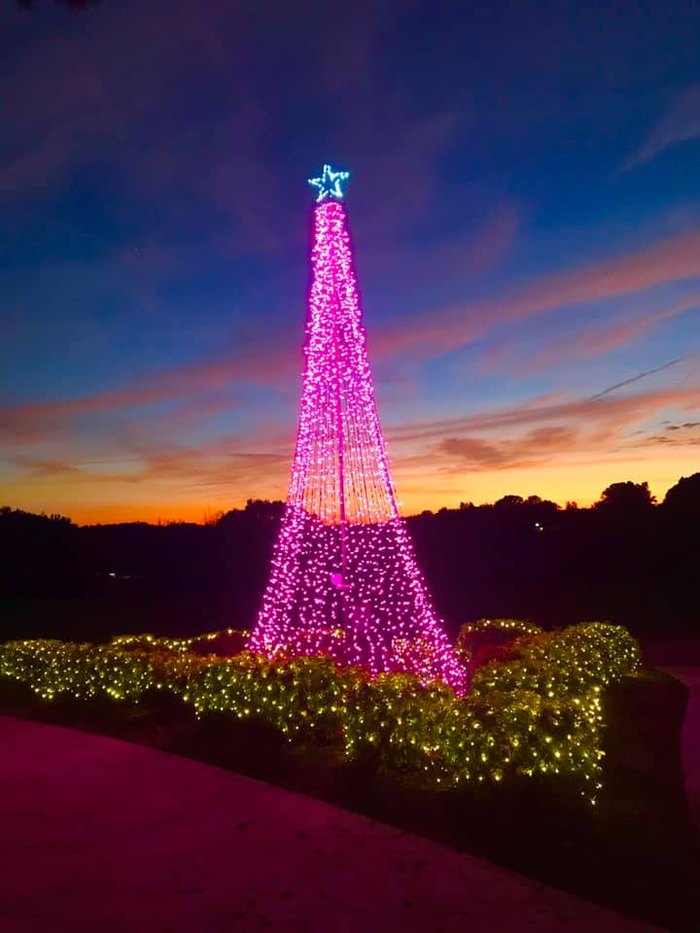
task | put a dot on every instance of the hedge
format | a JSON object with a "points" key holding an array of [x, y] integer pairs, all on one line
{"points": [[538, 711]]}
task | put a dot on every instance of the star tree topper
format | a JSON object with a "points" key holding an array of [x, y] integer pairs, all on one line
{"points": [[329, 184]]}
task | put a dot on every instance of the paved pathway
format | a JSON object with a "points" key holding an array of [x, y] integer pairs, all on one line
{"points": [[98, 835], [680, 657], [690, 737]]}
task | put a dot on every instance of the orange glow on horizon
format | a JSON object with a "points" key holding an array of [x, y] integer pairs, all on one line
{"points": [[114, 501]]}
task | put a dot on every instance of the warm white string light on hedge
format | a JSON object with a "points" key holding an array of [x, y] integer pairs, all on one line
{"points": [[539, 713]]}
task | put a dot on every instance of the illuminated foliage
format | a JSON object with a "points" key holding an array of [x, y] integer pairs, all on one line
{"points": [[540, 713], [472, 633], [569, 662]]}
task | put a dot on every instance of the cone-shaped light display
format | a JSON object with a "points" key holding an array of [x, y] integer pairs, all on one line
{"points": [[344, 579]]}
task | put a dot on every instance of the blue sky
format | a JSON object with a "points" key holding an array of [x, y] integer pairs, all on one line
{"points": [[525, 205]]}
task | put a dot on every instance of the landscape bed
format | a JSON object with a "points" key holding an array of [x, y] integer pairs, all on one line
{"points": [[536, 710], [551, 723]]}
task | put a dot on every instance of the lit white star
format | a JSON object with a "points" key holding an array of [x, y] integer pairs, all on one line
{"points": [[329, 184]]}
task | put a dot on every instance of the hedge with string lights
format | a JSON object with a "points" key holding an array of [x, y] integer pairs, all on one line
{"points": [[537, 711]]}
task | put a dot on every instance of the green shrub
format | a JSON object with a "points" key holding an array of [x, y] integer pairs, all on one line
{"points": [[537, 713], [493, 633]]}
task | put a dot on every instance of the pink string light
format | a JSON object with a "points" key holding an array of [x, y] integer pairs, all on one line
{"points": [[344, 580]]}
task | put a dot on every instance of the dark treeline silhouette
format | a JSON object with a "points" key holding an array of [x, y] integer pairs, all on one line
{"points": [[626, 559], [73, 4]]}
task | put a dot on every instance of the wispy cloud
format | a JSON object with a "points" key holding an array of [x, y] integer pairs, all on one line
{"points": [[272, 360], [532, 447], [681, 122], [258, 359], [686, 426], [229, 462], [607, 409], [533, 437], [145, 466], [395, 192], [674, 259], [604, 337], [462, 258]]}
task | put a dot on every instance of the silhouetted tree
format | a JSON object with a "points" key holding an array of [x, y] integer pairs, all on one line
{"points": [[507, 502], [38, 553], [74, 4], [626, 497], [684, 496], [256, 511]]}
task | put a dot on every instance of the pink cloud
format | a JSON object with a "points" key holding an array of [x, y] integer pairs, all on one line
{"points": [[535, 435], [674, 259], [267, 360], [603, 338], [531, 434], [607, 410], [273, 360], [226, 461], [533, 447]]}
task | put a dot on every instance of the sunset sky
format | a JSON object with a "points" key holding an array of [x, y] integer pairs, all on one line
{"points": [[525, 207]]}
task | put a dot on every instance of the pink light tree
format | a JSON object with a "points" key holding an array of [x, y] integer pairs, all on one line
{"points": [[344, 580]]}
